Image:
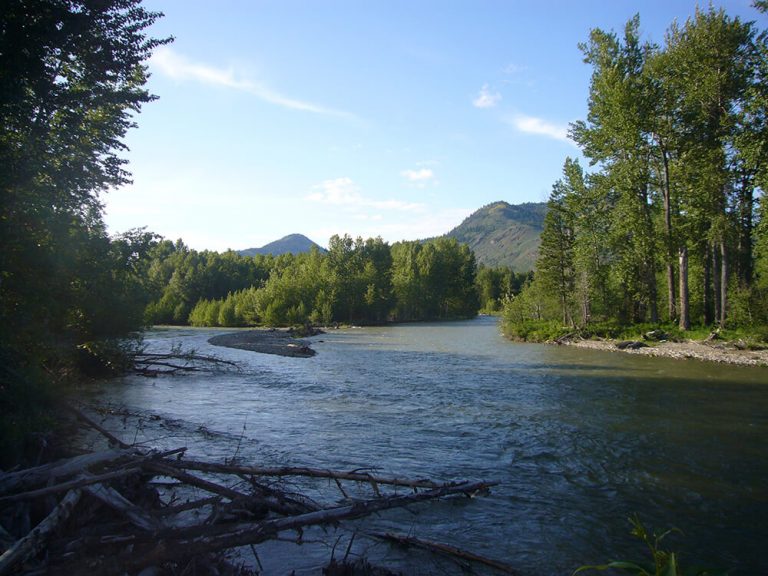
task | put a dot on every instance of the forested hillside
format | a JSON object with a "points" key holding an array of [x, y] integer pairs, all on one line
{"points": [[502, 234], [670, 224]]}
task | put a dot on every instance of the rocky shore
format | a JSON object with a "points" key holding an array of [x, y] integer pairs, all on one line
{"points": [[722, 352], [266, 341]]}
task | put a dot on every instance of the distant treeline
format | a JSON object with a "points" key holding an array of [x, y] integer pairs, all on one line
{"points": [[671, 226], [355, 281]]}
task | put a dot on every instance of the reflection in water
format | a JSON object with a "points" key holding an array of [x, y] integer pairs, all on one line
{"points": [[579, 439]]}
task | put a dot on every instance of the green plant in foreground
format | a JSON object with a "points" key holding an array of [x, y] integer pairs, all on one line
{"points": [[664, 562]]}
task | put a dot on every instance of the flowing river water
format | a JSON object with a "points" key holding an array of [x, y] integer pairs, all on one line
{"points": [[578, 439]]}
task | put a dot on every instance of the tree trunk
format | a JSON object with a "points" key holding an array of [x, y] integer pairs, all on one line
{"points": [[723, 284], [671, 309], [706, 293], [714, 315], [648, 266], [653, 296], [671, 303], [586, 303], [746, 225], [685, 319]]}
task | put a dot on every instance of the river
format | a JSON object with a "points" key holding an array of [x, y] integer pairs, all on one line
{"points": [[578, 439]]}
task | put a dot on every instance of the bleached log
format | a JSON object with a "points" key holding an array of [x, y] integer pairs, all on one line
{"points": [[70, 485], [198, 540], [60, 469], [112, 498], [33, 542]]}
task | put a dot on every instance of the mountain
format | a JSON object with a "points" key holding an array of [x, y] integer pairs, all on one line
{"points": [[503, 234], [293, 243]]}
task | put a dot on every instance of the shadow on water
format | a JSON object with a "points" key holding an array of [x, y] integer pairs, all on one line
{"points": [[579, 439]]}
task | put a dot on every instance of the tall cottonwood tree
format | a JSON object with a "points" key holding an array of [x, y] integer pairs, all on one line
{"points": [[678, 137], [709, 70], [72, 77], [616, 136]]}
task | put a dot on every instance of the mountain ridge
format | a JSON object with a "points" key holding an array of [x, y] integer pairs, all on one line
{"points": [[291, 244], [499, 233], [503, 234]]}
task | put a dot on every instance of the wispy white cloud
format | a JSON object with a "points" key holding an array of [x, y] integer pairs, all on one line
{"points": [[486, 98], [418, 175], [518, 75], [339, 192], [344, 192], [178, 67], [539, 126], [511, 69]]}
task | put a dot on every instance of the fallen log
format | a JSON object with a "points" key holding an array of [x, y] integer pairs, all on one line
{"points": [[135, 524], [70, 485], [183, 543], [169, 363], [112, 498], [164, 469], [445, 549], [303, 471], [60, 469], [33, 542]]}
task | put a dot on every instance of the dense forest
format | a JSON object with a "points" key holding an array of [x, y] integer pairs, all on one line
{"points": [[669, 224], [355, 282]]}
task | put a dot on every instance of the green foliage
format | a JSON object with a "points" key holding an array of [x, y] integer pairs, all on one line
{"points": [[494, 285], [72, 80], [433, 280], [179, 277], [679, 137], [535, 331], [355, 282], [662, 562]]}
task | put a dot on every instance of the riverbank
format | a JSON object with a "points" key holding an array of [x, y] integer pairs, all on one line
{"points": [[721, 352], [266, 341]]}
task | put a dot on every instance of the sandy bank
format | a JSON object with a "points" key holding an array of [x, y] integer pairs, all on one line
{"points": [[724, 353], [266, 341]]}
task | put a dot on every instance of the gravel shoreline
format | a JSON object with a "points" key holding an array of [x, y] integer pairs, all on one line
{"points": [[265, 341], [709, 352]]}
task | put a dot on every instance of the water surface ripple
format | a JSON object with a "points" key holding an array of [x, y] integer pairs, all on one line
{"points": [[579, 439]]}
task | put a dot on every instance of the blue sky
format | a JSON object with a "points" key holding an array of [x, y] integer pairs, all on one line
{"points": [[372, 118]]}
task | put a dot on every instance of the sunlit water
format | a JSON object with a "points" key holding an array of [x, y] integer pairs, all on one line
{"points": [[578, 439]]}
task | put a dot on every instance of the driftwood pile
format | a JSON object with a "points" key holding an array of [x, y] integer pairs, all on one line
{"points": [[125, 510]]}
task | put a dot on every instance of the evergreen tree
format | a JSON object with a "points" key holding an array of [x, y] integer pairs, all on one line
{"points": [[555, 265]]}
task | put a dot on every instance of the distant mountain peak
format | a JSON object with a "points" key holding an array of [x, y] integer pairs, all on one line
{"points": [[503, 234], [291, 244]]}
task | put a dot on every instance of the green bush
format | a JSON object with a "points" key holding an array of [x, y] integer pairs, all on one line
{"points": [[534, 330]]}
